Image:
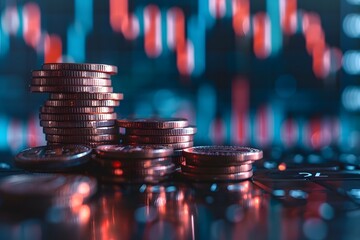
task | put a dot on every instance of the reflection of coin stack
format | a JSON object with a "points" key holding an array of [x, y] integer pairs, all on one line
{"points": [[81, 104], [219, 163], [126, 163], [173, 132]]}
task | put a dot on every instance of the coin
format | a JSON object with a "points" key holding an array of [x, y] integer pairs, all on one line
{"points": [[218, 177], [78, 117], [53, 157], [71, 81], [81, 103], [76, 89], [69, 73], [39, 191], [81, 131], [81, 67], [131, 163], [87, 96], [133, 152], [138, 179], [157, 139], [81, 138], [77, 124], [76, 110], [174, 146], [223, 153], [159, 170], [153, 123], [191, 130], [215, 170]]}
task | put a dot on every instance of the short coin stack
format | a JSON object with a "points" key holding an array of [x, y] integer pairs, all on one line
{"points": [[126, 163], [172, 132], [81, 104], [219, 163]]}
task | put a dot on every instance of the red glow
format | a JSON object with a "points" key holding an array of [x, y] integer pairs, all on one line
{"points": [[263, 123], [32, 136], [289, 20], [217, 130], [289, 132], [53, 49], [240, 105], [315, 133], [32, 24], [261, 35], [152, 31], [241, 12], [118, 13]]}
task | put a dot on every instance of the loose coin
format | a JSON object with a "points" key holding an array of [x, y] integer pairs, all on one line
{"points": [[82, 103], [174, 146], [131, 163], [215, 170], [81, 67], [78, 117], [223, 153], [71, 81], [87, 96], [153, 123], [77, 124], [80, 131], [162, 132], [214, 177], [157, 139], [159, 170], [73, 89], [137, 179], [53, 157], [69, 73], [81, 138], [131, 152], [76, 110]]}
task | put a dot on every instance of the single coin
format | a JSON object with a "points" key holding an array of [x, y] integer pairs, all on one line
{"points": [[131, 152], [53, 157], [70, 73], [218, 177], [87, 96], [81, 138], [38, 191], [81, 67], [158, 170], [81, 131], [215, 170], [135, 179], [223, 153], [87, 143], [174, 146], [71, 81], [77, 124], [153, 123], [78, 117], [73, 89], [131, 163], [157, 139], [76, 110], [82, 103], [191, 130]]}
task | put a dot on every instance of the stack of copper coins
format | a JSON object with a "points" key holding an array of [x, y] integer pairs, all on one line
{"points": [[171, 132], [126, 163], [81, 104], [219, 163]]}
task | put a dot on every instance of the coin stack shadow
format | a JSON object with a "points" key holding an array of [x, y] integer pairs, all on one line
{"points": [[171, 132], [81, 105]]}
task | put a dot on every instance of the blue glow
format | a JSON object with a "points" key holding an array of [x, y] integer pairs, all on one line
{"points": [[76, 43], [4, 124], [4, 42], [196, 30], [84, 14], [165, 49], [228, 12], [204, 13], [273, 8], [139, 13], [206, 105]]}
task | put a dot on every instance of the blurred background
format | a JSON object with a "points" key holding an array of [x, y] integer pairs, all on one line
{"points": [[265, 73]]}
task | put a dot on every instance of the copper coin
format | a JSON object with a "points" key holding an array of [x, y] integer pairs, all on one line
{"points": [[81, 131], [218, 177], [133, 152], [80, 138], [78, 117], [77, 124], [71, 82], [62, 89], [69, 73], [134, 179], [191, 130], [158, 170], [81, 67], [157, 139], [88, 143], [87, 96], [174, 146], [215, 170], [153, 123], [76, 110], [130, 163], [82, 103]]}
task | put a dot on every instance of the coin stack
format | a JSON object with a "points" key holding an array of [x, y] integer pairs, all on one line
{"points": [[81, 104], [172, 132], [219, 163], [126, 163]]}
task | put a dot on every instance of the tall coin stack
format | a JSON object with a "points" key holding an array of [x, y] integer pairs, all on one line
{"points": [[171, 132], [219, 163], [81, 105]]}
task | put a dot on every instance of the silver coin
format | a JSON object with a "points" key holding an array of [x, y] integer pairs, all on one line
{"points": [[131, 152], [87, 96], [81, 67], [82, 103], [70, 82], [69, 73], [71, 89]]}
